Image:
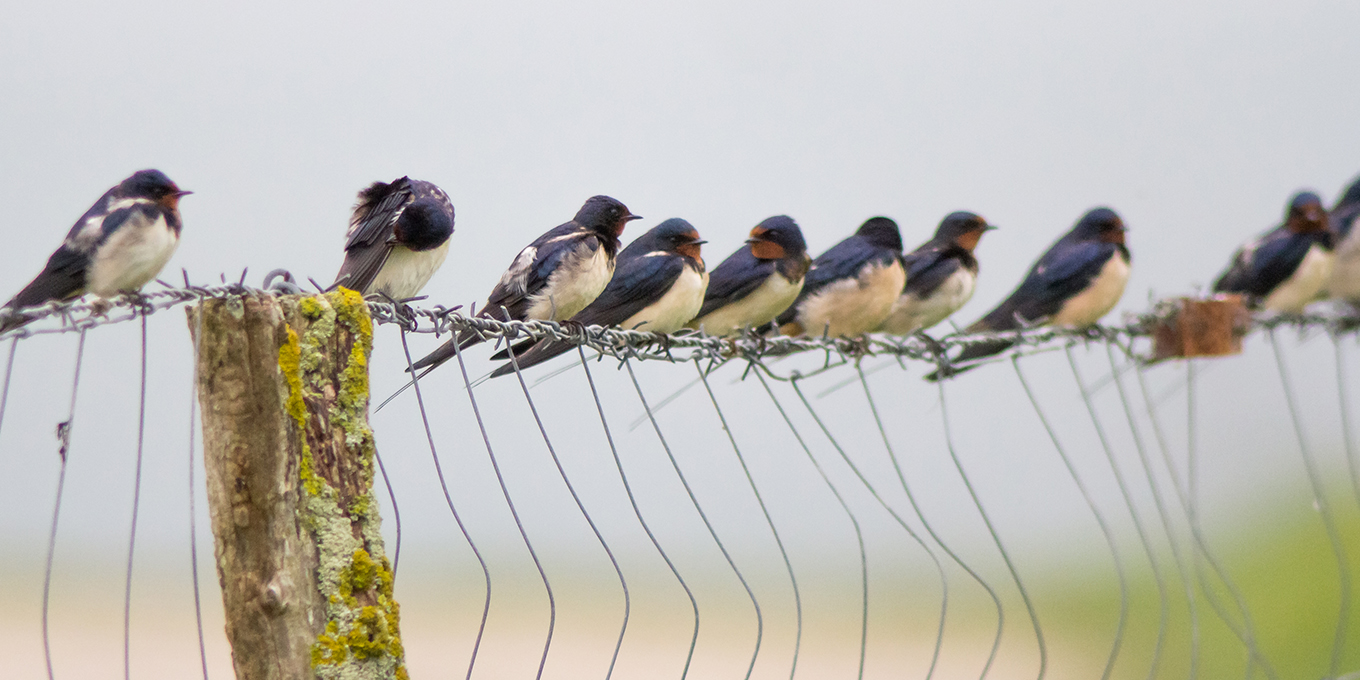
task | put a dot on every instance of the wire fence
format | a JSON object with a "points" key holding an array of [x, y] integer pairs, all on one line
{"points": [[818, 476]]}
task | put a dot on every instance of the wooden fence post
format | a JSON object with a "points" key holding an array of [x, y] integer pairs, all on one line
{"points": [[307, 588]]}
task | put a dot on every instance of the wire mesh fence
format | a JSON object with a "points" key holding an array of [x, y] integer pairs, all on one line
{"points": [[690, 506]]}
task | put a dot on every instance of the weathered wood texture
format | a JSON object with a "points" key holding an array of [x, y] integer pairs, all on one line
{"points": [[307, 588], [1202, 328]]}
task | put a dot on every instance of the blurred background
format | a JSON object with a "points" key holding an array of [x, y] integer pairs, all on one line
{"points": [[1195, 121]]}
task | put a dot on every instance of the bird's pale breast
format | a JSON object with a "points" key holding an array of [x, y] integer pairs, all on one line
{"points": [[911, 313], [1345, 280], [406, 271], [578, 280], [1304, 285], [132, 256], [1086, 308], [757, 309], [855, 306], [674, 309]]}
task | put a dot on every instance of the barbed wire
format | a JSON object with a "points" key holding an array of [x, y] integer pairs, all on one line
{"points": [[684, 346]]}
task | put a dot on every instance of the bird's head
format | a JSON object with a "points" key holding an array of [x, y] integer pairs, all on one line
{"points": [[152, 185], [424, 224], [605, 215], [1100, 224], [962, 228], [677, 235], [881, 232], [1306, 214], [776, 238]]}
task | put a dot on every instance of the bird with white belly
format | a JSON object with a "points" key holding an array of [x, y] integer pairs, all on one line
{"points": [[119, 245], [941, 275], [398, 237], [757, 282], [852, 286], [1287, 267]]}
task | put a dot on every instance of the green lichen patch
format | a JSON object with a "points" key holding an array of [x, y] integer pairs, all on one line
{"points": [[361, 638]]}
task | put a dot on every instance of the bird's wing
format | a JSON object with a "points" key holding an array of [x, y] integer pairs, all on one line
{"points": [[928, 268], [1064, 271], [637, 283], [534, 266], [1261, 265], [64, 275], [370, 239], [738, 276]]}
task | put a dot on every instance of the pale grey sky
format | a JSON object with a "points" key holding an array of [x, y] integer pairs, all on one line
{"points": [[1195, 121]]}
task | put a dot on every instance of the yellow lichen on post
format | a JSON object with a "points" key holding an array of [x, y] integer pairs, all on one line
{"points": [[361, 636]]}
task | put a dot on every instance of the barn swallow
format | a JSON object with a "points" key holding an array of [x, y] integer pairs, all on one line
{"points": [[1078, 280], [119, 245], [398, 237], [1345, 280], [659, 287], [554, 277], [941, 275], [851, 287], [753, 285], [1287, 267]]}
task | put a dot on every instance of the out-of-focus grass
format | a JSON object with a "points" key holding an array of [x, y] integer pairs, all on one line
{"points": [[1283, 566]]}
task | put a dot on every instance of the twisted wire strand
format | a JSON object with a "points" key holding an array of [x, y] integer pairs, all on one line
{"points": [[193, 513], [788, 565], [911, 497], [1324, 508], [519, 525], [9, 371], [991, 529], [854, 522], [1162, 512], [637, 512], [1127, 495], [552, 451], [939, 568], [755, 604], [64, 437], [1343, 399], [453, 509], [132, 535]]}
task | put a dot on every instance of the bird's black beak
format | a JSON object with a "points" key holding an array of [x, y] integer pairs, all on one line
{"points": [[697, 242], [989, 227], [182, 193], [630, 217]]}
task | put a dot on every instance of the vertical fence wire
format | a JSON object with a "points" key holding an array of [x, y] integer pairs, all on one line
{"points": [[1162, 513], [1324, 508], [396, 512], [859, 534], [193, 492], [755, 604], [448, 499], [505, 491], [788, 565], [991, 529], [1246, 633], [939, 569], [911, 497], [1343, 399], [632, 500], [136, 497], [623, 583], [9, 370], [64, 437], [1104, 525], [1124, 491]]}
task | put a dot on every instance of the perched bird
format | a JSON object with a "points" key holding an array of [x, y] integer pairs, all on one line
{"points": [[1345, 281], [119, 245], [398, 237], [851, 287], [753, 285], [1287, 267], [941, 275], [554, 277], [658, 287], [1079, 280]]}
